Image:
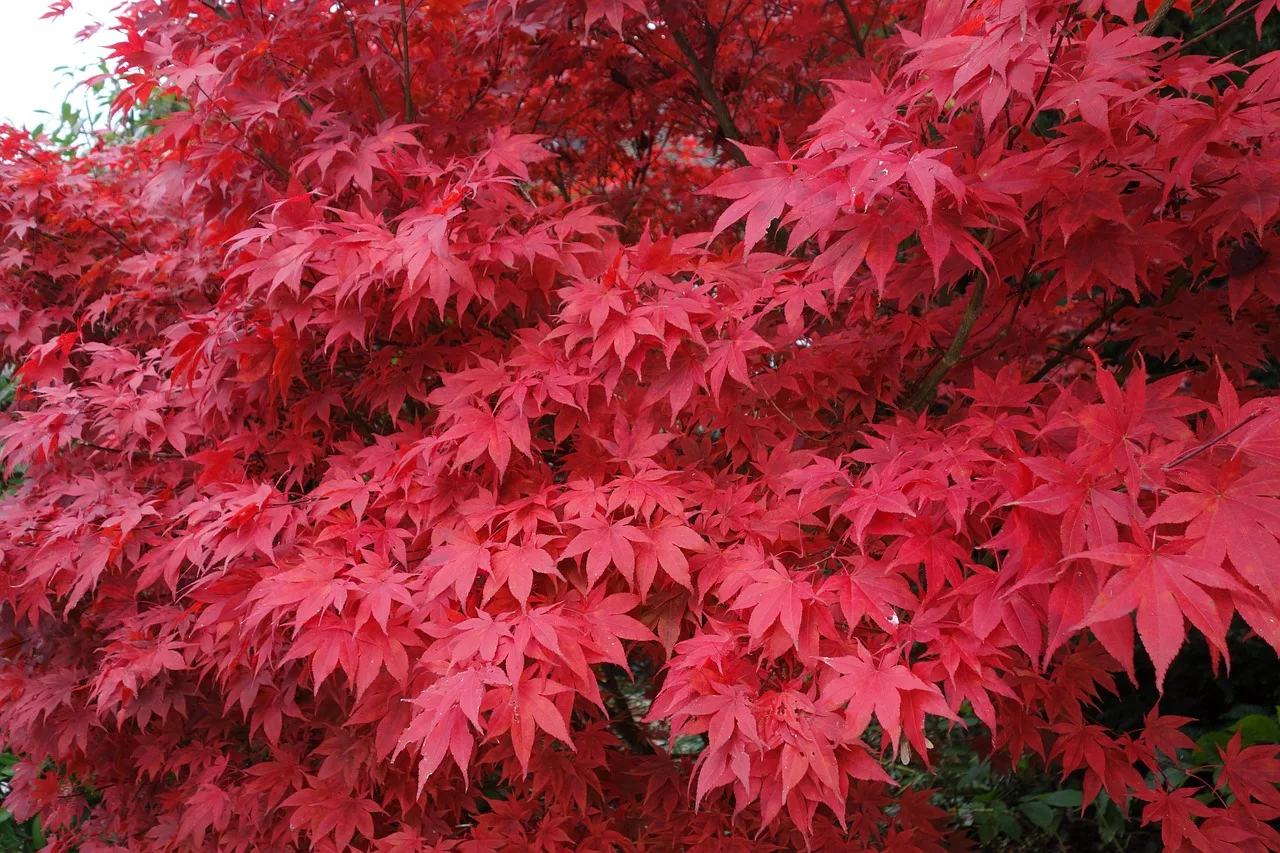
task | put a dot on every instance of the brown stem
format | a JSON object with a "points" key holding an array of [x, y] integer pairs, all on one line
{"points": [[1180, 280], [368, 78], [1034, 106], [791, 420], [143, 453], [859, 43], [1163, 9], [999, 336], [924, 392], [709, 94], [558, 180], [624, 724], [1202, 447], [217, 9], [260, 155], [1247, 10], [409, 112], [120, 241]]}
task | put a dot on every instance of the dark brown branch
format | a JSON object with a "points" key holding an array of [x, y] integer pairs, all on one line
{"points": [[1034, 106], [1181, 46], [999, 336], [368, 78], [709, 94], [1161, 11], [119, 241], [624, 724], [257, 153], [859, 43], [161, 454], [558, 180], [409, 112], [1202, 447], [924, 391], [217, 9]]}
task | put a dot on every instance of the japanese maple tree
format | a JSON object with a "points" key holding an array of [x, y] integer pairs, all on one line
{"points": [[634, 424]]}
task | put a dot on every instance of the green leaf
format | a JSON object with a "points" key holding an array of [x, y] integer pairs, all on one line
{"points": [[1009, 825], [1207, 747], [1038, 813], [1065, 799], [987, 828], [1257, 728], [1110, 821]]}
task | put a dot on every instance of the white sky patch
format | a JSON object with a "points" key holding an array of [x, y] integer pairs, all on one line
{"points": [[32, 49]]}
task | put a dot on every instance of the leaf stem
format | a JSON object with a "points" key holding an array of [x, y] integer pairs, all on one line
{"points": [[1202, 447]]}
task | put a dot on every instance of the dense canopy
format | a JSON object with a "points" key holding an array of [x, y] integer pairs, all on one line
{"points": [[634, 424]]}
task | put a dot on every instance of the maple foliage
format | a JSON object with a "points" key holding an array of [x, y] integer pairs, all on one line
{"points": [[456, 405]]}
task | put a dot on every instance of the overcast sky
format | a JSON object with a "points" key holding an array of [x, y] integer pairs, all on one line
{"points": [[30, 50]]}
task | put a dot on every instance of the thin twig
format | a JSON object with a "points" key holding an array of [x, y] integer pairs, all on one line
{"points": [[790, 419], [1201, 448], [120, 241], [1034, 106], [999, 336], [160, 454], [258, 154], [1181, 46], [368, 78], [1072, 345]]}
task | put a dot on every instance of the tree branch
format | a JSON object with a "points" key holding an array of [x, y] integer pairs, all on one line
{"points": [[368, 78], [924, 391], [1181, 46], [409, 112], [257, 153], [217, 9], [160, 454], [1072, 345], [1034, 106], [859, 43], [1161, 11], [624, 724], [709, 94]]}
